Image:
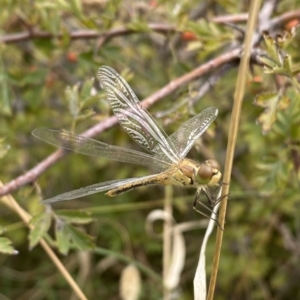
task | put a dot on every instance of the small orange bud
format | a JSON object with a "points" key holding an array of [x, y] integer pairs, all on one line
{"points": [[292, 23], [188, 36], [72, 57]]}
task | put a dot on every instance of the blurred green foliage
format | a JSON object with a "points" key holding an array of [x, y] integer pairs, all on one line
{"points": [[46, 81]]}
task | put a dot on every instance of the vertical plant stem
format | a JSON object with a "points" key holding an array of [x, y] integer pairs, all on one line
{"points": [[167, 237], [232, 137]]}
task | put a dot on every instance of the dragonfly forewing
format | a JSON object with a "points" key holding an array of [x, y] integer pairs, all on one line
{"points": [[87, 146], [136, 121]]}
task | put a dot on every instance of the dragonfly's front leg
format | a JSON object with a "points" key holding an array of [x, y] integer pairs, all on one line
{"points": [[197, 200]]}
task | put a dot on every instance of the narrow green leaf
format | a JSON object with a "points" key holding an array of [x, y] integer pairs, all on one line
{"points": [[272, 102], [2, 230], [62, 237], [86, 114], [71, 94], [5, 246], [272, 48], [287, 65], [74, 216], [41, 223], [3, 150], [85, 92], [138, 26]]}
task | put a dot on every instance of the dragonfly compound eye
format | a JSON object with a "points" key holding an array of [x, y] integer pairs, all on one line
{"points": [[205, 173], [214, 164], [215, 168]]}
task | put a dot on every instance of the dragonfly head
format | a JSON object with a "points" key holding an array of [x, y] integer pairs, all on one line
{"points": [[209, 173]]}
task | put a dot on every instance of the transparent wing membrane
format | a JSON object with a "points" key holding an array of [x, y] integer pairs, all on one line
{"points": [[184, 138], [99, 187], [136, 121], [87, 146], [186, 135]]}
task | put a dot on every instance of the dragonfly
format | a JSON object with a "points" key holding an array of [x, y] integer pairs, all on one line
{"points": [[166, 154]]}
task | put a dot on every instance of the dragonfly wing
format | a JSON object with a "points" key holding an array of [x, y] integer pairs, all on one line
{"points": [[95, 188], [185, 137], [137, 122], [87, 146]]}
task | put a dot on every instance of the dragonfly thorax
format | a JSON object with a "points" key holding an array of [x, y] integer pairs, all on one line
{"points": [[190, 173]]}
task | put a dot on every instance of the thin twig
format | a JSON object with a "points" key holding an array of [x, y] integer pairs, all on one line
{"points": [[232, 137]]}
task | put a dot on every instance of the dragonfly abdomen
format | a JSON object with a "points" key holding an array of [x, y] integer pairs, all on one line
{"points": [[159, 179]]}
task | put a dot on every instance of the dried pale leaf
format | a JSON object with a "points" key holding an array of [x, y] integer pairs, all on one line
{"points": [[172, 278], [177, 262], [192, 46], [157, 215], [130, 283], [200, 276], [178, 253]]}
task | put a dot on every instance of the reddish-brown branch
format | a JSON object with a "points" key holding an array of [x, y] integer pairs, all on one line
{"points": [[162, 28], [276, 21], [35, 172], [280, 20], [80, 34]]}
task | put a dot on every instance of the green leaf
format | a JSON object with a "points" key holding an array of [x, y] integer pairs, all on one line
{"points": [[272, 102], [74, 216], [86, 89], [62, 237], [276, 61], [138, 26], [41, 223], [71, 94], [80, 240], [2, 230], [272, 48], [67, 236], [5, 246], [86, 114], [3, 149]]}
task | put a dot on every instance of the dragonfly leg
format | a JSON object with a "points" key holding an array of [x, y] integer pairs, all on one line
{"points": [[207, 216], [201, 203], [196, 201], [212, 196]]}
